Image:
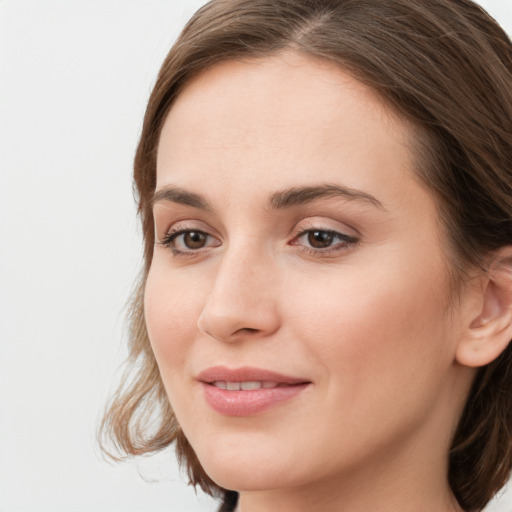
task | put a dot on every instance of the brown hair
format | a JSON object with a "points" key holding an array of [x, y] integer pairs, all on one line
{"points": [[446, 66]]}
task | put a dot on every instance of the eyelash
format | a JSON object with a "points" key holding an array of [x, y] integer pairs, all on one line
{"points": [[344, 242], [170, 241]]}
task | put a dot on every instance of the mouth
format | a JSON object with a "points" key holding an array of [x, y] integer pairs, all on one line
{"points": [[247, 375], [247, 391], [247, 385]]}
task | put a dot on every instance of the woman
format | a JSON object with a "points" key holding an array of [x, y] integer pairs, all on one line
{"points": [[324, 315]]}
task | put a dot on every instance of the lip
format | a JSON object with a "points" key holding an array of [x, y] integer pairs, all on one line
{"points": [[248, 402]]}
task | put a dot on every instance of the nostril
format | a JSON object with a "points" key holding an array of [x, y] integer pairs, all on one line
{"points": [[247, 330], [230, 320]]}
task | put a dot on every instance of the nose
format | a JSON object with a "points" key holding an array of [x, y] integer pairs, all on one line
{"points": [[242, 301]]}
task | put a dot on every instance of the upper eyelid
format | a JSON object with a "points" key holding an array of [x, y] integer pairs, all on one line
{"points": [[341, 232], [187, 225], [344, 239], [311, 224], [333, 231]]}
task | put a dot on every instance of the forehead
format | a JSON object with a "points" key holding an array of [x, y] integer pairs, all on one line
{"points": [[286, 88], [289, 117]]}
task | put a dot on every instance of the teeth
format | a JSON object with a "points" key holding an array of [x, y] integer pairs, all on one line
{"points": [[245, 386]]}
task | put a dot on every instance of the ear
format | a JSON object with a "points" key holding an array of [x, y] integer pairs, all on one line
{"points": [[489, 329]]}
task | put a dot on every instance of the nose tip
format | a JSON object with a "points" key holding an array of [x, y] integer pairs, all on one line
{"points": [[241, 304], [240, 323]]}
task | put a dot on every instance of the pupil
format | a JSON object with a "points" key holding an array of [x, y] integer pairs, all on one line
{"points": [[320, 239], [194, 239]]}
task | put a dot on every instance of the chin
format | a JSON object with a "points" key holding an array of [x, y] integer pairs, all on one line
{"points": [[246, 470], [250, 479]]}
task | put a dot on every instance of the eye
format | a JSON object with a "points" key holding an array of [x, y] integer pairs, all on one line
{"points": [[322, 241], [189, 241]]}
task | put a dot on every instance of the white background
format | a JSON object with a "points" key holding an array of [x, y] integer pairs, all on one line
{"points": [[74, 80]]}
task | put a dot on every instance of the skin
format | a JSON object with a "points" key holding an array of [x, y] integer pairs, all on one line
{"points": [[369, 323]]}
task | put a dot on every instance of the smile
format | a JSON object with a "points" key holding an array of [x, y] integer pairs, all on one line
{"points": [[246, 386], [247, 391]]}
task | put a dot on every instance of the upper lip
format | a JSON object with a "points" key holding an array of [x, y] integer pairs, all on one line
{"points": [[246, 374]]}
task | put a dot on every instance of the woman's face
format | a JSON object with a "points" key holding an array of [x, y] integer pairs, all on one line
{"points": [[299, 264]]}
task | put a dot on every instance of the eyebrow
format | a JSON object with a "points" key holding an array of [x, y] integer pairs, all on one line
{"points": [[180, 196], [301, 195], [279, 200]]}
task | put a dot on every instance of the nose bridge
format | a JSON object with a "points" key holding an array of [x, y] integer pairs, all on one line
{"points": [[241, 302]]}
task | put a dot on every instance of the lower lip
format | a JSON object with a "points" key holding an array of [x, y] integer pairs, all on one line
{"points": [[247, 403]]}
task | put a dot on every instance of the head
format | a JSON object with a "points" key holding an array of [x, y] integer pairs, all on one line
{"points": [[437, 79]]}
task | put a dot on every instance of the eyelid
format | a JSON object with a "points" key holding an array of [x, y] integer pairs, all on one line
{"points": [[344, 236], [324, 224], [173, 237], [344, 242], [344, 239], [185, 225], [179, 228]]}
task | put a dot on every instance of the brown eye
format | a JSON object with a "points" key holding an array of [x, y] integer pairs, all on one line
{"points": [[324, 242], [189, 242], [320, 239], [194, 239]]}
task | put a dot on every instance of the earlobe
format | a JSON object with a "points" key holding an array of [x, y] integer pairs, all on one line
{"points": [[490, 326]]}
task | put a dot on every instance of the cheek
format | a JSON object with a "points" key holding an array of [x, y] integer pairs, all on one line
{"points": [[374, 326], [171, 317], [378, 342]]}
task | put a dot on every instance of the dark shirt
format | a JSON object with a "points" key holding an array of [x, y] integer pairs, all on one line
{"points": [[229, 502]]}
